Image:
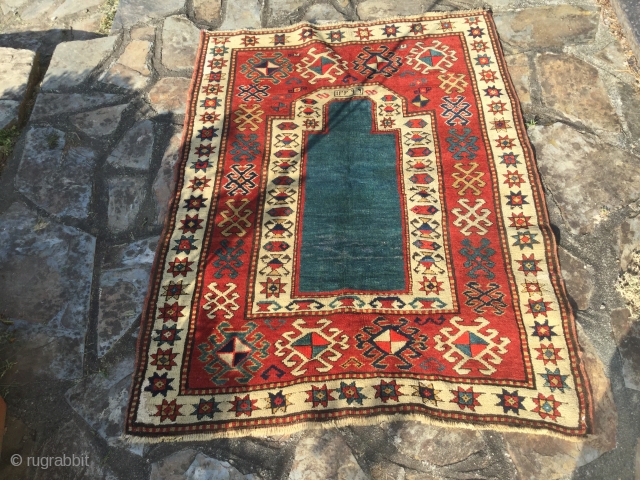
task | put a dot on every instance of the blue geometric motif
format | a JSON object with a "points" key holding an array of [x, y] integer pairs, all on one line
{"points": [[462, 145]]}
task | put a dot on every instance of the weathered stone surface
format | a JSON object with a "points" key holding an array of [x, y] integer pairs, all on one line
{"points": [[126, 195], [180, 40], [169, 95], [552, 458], [48, 104], [131, 70], [191, 465], [575, 88], [323, 13], [631, 110], [131, 12], [638, 461], [71, 7], [628, 240], [582, 176], [17, 77], [528, 29], [164, 184], [626, 332], [284, 8], [101, 399], [134, 150], [73, 62], [54, 263], [77, 442], [143, 33], [37, 9], [628, 13], [101, 122], [123, 286], [207, 10], [438, 446], [242, 15], [54, 175], [520, 75], [375, 9], [325, 455], [578, 278]]}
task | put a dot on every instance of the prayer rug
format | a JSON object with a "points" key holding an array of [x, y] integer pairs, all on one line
{"points": [[358, 234]]}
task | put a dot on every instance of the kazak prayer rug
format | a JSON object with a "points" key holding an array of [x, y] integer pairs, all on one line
{"points": [[359, 234]]}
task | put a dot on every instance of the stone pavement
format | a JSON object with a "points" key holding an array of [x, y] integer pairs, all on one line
{"points": [[83, 199]]}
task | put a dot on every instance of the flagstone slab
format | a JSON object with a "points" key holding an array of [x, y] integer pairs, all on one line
{"points": [[123, 287], [169, 95], [101, 400], [520, 73], [48, 104], [101, 122], [135, 148], [530, 28], [164, 183], [73, 62], [284, 8], [132, 12], [575, 88], [180, 39], [551, 458], [628, 240], [325, 455], [323, 13], [131, 70], [126, 195], [626, 331], [17, 77], [54, 175], [53, 262], [578, 278], [72, 7], [209, 11], [582, 176], [246, 14], [380, 9]]}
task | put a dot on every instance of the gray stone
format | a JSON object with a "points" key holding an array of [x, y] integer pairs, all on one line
{"points": [[631, 111], [71, 7], [54, 175], [101, 122], [101, 399], [143, 33], [48, 104], [553, 458], [207, 10], [126, 195], [380, 9], [37, 9], [173, 466], [626, 332], [628, 14], [284, 7], [131, 70], [628, 240], [575, 88], [582, 177], [54, 263], [578, 278], [169, 95], [325, 455], [528, 29], [521, 77], [134, 150], [17, 78], [207, 468], [438, 446], [323, 13], [164, 183], [73, 62], [77, 441], [180, 40], [637, 462], [17, 440], [132, 12], [123, 287], [245, 14]]}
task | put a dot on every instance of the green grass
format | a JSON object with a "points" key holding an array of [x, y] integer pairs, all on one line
{"points": [[109, 10]]}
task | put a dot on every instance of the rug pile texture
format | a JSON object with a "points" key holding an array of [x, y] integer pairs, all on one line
{"points": [[358, 234]]}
